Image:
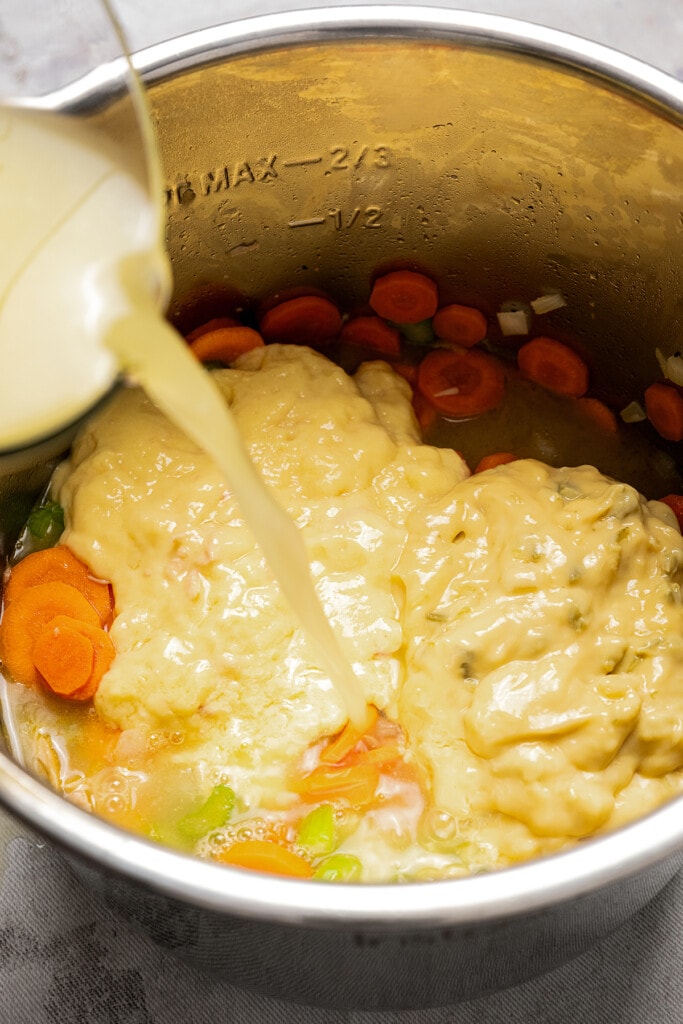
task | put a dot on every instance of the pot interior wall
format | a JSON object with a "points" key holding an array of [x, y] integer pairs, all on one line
{"points": [[502, 174]]}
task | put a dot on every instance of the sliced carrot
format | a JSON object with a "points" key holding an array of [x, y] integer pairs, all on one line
{"points": [[59, 564], [554, 366], [225, 343], [406, 370], [267, 856], [61, 657], [404, 297], [286, 295], [64, 658], [348, 738], [675, 503], [211, 325], [461, 384], [306, 320], [460, 325], [664, 407], [356, 784], [600, 414], [372, 332], [496, 459], [27, 615]]}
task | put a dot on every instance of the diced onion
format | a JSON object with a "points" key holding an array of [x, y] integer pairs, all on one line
{"points": [[671, 366], [674, 369], [633, 413], [661, 359], [514, 321], [547, 303]]}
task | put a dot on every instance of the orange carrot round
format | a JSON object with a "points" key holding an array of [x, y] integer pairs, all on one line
{"points": [[495, 459], [305, 320], [64, 658], [675, 503], [459, 325], [211, 325], [225, 343], [460, 384], [26, 616], [600, 414], [404, 297], [355, 784], [59, 564], [664, 408], [267, 856], [554, 366], [372, 332], [57, 658]]}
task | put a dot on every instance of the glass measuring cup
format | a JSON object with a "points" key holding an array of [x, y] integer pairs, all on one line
{"points": [[78, 177]]}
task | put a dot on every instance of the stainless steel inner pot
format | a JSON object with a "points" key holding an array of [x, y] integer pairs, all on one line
{"points": [[506, 159]]}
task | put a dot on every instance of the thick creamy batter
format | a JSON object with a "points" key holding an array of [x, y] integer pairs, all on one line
{"points": [[524, 625], [206, 643]]}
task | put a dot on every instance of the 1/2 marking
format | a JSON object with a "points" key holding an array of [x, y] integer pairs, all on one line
{"points": [[370, 217], [364, 216]]}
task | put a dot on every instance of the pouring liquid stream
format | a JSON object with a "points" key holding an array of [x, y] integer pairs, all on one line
{"points": [[81, 293]]}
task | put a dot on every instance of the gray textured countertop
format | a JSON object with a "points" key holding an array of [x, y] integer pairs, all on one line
{"points": [[65, 959]]}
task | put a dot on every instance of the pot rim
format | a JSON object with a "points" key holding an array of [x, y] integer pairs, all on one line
{"points": [[405, 21], [521, 889]]}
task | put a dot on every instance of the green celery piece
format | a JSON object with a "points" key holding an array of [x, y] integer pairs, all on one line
{"points": [[214, 813], [317, 832], [340, 867], [46, 524], [421, 333]]}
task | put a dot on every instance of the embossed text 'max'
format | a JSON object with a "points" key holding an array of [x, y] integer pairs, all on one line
{"points": [[270, 167]]}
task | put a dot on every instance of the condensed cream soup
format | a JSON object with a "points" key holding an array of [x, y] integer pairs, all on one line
{"points": [[524, 625]]}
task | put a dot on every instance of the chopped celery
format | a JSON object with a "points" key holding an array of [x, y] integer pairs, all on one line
{"points": [[421, 333], [46, 525], [214, 813], [340, 867], [317, 832]]}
